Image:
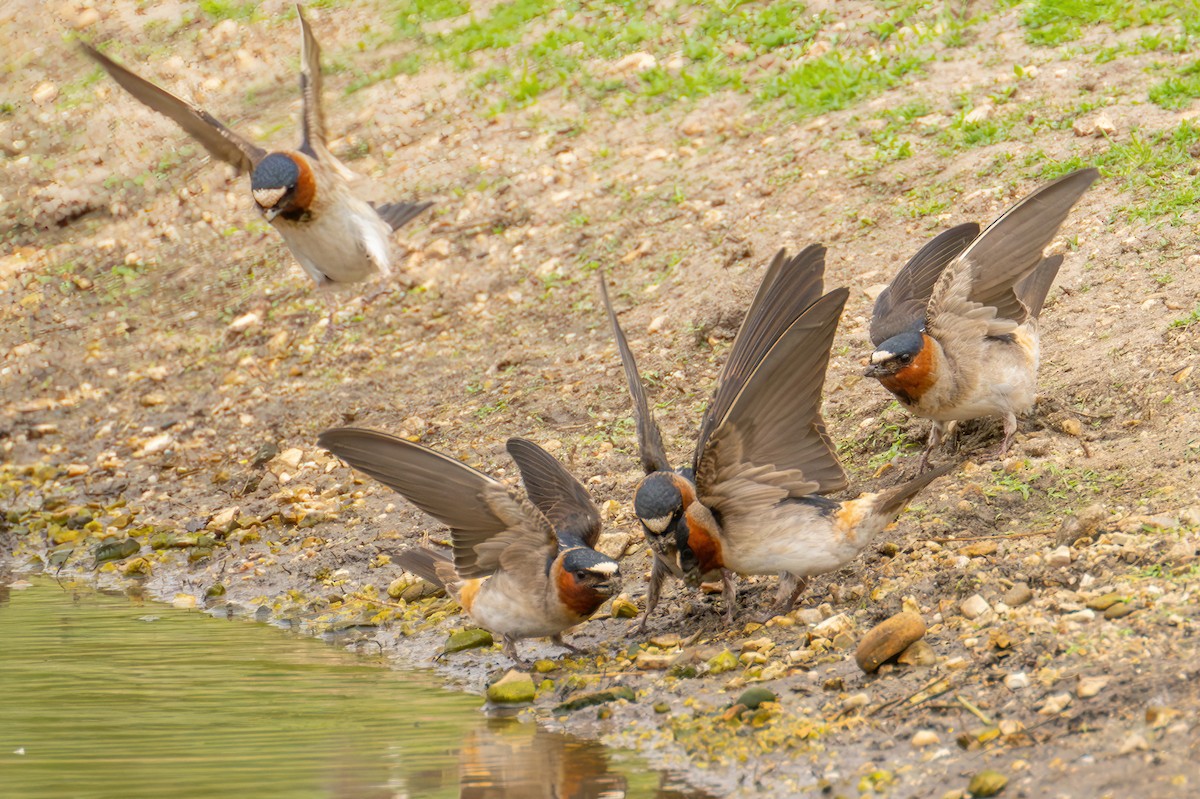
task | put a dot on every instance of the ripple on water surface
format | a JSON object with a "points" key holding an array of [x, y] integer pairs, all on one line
{"points": [[102, 698]]}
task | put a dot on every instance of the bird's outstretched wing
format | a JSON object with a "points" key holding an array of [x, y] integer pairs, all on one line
{"points": [[1011, 247], [775, 422], [901, 306], [488, 525], [557, 494], [650, 443], [310, 90], [202, 126], [787, 289]]}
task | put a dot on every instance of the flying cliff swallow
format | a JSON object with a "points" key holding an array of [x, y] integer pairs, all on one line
{"points": [[751, 502], [304, 193], [956, 331], [515, 570]]}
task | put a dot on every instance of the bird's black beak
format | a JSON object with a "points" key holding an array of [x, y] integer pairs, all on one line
{"points": [[269, 214], [876, 371]]}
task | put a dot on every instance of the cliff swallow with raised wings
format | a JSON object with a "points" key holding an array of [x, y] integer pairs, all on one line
{"points": [[956, 332], [789, 286], [305, 193], [752, 501], [515, 570]]}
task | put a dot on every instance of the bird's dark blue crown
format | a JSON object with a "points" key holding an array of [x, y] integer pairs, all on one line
{"points": [[657, 496], [584, 558], [276, 171]]}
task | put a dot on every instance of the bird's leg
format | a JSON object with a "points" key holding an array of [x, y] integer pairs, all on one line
{"points": [[729, 594], [331, 327], [790, 588], [509, 647], [935, 438], [1010, 430], [557, 640], [657, 574], [382, 287]]}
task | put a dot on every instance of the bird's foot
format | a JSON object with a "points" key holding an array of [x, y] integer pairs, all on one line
{"points": [[509, 648], [558, 641]]}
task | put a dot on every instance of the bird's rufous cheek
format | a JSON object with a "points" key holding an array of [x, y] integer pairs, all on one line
{"points": [[580, 599], [306, 184]]}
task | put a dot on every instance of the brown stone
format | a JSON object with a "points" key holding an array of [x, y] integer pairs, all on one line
{"points": [[888, 639]]}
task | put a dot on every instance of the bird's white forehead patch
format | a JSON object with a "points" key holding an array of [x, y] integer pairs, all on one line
{"points": [[657, 525], [879, 356], [607, 569], [266, 198]]}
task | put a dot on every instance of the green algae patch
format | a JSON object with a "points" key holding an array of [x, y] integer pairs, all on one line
{"points": [[115, 550], [751, 698], [514, 688], [591, 699], [472, 638]]}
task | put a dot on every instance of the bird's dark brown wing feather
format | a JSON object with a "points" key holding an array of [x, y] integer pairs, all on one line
{"points": [[484, 518], [777, 415], [789, 286], [1011, 247], [901, 306], [313, 116], [557, 494], [650, 444], [202, 126]]}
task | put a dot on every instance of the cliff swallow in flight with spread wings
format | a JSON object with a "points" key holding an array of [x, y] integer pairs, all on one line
{"points": [[515, 570], [956, 332], [305, 193], [751, 502]]}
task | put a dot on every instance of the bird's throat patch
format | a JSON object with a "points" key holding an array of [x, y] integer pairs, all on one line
{"points": [[704, 546], [910, 383]]}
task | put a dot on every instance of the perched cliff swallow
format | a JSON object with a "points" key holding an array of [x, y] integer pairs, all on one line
{"points": [[514, 570], [751, 502], [305, 193], [956, 332]]}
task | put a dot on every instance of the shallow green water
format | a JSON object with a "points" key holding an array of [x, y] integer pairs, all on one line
{"points": [[103, 698]]}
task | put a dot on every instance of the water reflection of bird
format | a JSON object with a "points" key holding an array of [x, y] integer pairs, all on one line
{"points": [[515, 570], [305, 194], [509, 759], [752, 502], [956, 332]]}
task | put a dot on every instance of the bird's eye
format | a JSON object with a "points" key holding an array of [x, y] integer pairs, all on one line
{"points": [[906, 358]]}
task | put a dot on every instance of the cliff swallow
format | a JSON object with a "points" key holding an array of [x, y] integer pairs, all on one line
{"points": [[956, 331], [752, 501], [514, 570], [789, 286], [304, 193]]}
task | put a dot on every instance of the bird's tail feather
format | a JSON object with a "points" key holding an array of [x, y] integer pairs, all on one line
{"points": [[889, 503], [397, 214], [430, 565], [1034, 287]]}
